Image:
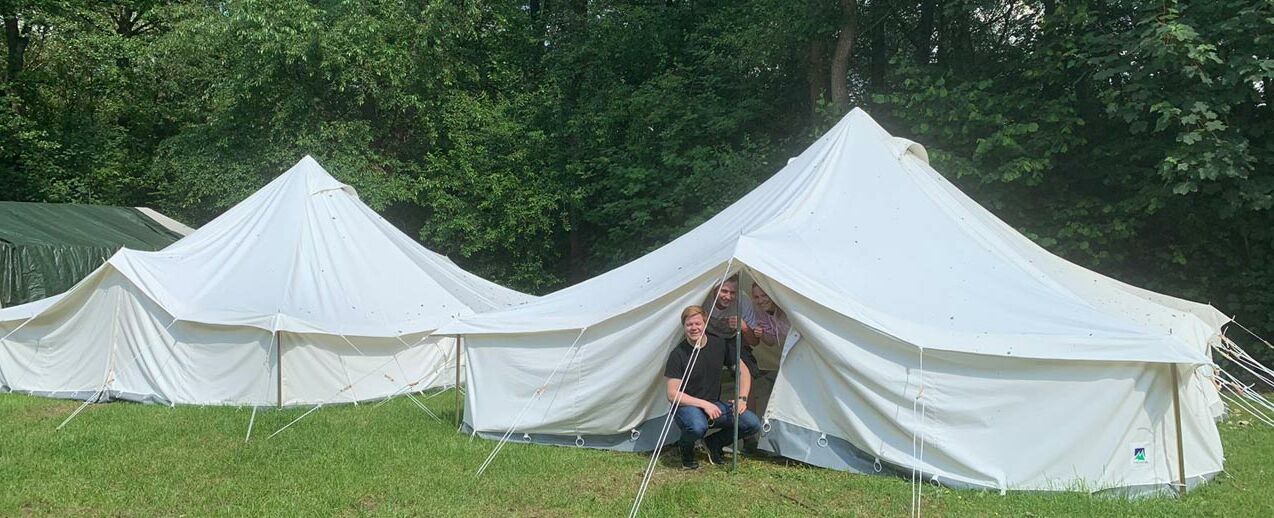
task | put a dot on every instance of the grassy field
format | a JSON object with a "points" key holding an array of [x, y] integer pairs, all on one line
{"points": [[126, 459]]}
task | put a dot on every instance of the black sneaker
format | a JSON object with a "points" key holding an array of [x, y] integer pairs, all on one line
{"points": [[716, 456], [688, 460]]}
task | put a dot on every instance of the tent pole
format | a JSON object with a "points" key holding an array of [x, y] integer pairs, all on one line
{"points": [[278, 361], [1176, 413], [738, 375], [456, 387]]}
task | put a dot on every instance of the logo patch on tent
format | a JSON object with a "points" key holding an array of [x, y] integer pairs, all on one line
{"points": [[1139, 455]]}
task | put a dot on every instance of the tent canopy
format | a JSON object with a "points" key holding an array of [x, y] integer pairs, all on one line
{"points": [[299, 294], [45, 248], [918, 318], [860, 223], [304, 254]]}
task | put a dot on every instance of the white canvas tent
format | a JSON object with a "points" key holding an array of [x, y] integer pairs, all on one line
{"points": [[929, 335], [300, 294]]}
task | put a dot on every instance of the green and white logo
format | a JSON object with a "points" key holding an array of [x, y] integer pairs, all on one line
{"points": [[1139, 455]]}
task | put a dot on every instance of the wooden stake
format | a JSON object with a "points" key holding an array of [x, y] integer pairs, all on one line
{"points": [[456, 387], [278, 360], [1176, 412]]}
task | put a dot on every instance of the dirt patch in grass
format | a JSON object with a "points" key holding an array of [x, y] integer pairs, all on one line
{"points": [[48, 410]]}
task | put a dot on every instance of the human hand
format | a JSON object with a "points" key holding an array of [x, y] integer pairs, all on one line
{"points": [[712, 410], [740, 406], [732, 322]]}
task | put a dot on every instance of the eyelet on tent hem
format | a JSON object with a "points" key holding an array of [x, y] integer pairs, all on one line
{"points": [[876, 465], [765, 427], [579, 441], [822, 440], [634, 435]]}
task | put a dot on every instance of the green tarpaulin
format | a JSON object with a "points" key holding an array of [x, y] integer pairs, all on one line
{"points": [[45, 248]]}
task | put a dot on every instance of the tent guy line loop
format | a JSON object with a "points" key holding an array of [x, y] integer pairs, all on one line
{"points": [[672, 409], [535, 396]]}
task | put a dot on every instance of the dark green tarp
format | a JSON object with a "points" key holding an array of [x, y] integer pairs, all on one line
{"points": [[45, 248]]}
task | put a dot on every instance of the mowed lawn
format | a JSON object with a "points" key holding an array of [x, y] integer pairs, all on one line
{"points": [[395, 460]]}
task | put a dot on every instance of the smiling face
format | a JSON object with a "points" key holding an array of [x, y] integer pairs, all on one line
{"points": [[761, 299], [693, 327], [726, 294]]}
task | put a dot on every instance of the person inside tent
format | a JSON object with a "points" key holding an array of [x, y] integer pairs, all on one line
{"points": [[769, 330], [695, 390], [724, 318]]}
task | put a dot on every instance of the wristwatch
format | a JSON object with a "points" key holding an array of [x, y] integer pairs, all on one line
{"points": [[745, 398]]}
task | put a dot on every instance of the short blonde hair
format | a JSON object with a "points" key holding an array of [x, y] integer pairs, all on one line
{"points": [[691, 311]]}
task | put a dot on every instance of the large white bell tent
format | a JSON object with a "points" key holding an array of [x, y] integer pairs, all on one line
{"points": [[300, 294], [928, 335]]}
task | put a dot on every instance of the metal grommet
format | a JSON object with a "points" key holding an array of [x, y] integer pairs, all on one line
{"points": [[765, 427], [876, 465], [634, 434], [579, 440], [822, 441]]}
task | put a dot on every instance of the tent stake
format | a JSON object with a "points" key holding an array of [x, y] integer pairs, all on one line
{"points": [[1176, 412], [456, 387]]}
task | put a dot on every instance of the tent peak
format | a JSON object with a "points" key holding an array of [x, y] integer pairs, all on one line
{"points": [[317, 179]]}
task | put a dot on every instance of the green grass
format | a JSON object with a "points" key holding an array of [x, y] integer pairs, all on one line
{"points": [[126, 459]]}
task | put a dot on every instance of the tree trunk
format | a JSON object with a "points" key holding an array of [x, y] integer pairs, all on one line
{"points": [[878, 43], [578, 255], [839, 73], [816, 75], [924, 33], [955, 46], [17, 44], [1267, 88]]}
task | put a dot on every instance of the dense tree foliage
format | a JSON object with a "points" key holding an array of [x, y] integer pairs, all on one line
{"points": [[542, 142]]}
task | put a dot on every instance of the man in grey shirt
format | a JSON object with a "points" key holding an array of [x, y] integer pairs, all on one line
{"points": [[724, 320]]}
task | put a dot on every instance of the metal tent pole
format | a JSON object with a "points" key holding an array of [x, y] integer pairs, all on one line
{"points": [[738, 375]]}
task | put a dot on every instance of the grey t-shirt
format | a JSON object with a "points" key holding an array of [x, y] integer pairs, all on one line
{"points": [[717, 319]]}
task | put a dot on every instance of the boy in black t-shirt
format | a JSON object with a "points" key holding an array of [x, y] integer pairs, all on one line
{"points": [[697, 394]]}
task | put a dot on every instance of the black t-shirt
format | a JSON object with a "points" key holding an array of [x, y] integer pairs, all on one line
{"points": [[704, 382]]}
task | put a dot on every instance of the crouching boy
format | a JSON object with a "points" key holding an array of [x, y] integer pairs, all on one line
{"points": [[696, 390]]}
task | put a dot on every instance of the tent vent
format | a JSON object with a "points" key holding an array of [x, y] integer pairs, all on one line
{"points": [[902, 146]]}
